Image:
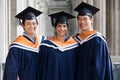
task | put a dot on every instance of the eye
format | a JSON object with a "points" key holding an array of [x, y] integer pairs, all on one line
{"points": [[59, 26], [28, 24], [64, 26], [78, 18], [33, 23], [85, 19]]}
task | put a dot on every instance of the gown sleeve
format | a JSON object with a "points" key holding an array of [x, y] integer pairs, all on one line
{"points": [[12, 65], [101, 65], [42, 61]]}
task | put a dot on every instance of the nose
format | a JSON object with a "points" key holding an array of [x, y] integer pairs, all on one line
{"points": [[62, 27], [82, 21]]}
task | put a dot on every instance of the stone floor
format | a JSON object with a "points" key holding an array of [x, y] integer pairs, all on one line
{"points": [[116, 71]]}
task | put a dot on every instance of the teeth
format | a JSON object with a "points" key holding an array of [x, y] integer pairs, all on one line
{"points": [[82, 25], [61, 31]]}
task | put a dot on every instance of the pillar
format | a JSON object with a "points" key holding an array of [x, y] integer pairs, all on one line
{"points": [[3, 30]]}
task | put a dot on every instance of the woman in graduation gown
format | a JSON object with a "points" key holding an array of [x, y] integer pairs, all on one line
{"points": [[58, 56], [94, 60], [22, 59]]}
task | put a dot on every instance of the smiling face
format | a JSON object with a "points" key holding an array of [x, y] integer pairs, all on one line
{"points": [[84, 22], [61, 29], [30, 27]]}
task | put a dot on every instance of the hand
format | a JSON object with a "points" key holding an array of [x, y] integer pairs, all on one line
{"points": [[77, 34], [50, 37]]}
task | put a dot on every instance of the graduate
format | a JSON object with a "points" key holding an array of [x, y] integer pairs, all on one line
{"points": [[94, 60], [58, 56], [22, 59]]}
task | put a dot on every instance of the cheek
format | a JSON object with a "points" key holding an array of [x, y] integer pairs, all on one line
{"points": [[78, 21], [66, 29], [35, 27], [23, 27], [55, 29], [89, 23]]}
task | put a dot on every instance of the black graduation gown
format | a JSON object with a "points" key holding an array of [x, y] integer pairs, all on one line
{"points": [[22, 59], [58, 62], [94, 61]]}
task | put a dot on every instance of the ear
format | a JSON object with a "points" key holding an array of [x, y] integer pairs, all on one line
{"points": [[54, 27], [23, 26], [92, 19]]}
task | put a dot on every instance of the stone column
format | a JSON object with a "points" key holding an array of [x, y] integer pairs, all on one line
{"points": [[43, 7], [113, 22], [117, 27], [112, 25], [100, 17], [109, 23], [74, 29], [21, 5], [3, 30], [30, 3], [12, 20]]}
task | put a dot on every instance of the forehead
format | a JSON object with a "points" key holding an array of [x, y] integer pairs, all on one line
{"points": [[33, 20], [84, 16], [62, 24]]}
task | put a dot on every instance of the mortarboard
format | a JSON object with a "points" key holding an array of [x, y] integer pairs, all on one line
{"points": [[60, 17], [28, 13], [86, 9]]}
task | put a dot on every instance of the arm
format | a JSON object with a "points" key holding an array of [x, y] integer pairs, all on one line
{"points": [[101, 64], [11, 65], [42, 61]]}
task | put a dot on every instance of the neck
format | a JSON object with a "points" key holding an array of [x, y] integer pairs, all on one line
{"points": [[84, 32], [61, 39], [32, 36]]}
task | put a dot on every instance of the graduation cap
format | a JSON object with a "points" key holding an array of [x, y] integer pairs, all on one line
{"points": [[28, 13], [60, 17], [86, 9]]}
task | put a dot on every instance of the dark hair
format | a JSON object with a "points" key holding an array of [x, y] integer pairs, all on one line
{"points": [[23, 21], [61, 23]]}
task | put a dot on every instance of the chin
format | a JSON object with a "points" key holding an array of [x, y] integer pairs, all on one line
{"points": [[61, 35]]}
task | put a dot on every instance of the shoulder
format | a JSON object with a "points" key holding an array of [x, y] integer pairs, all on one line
{"points": [[42, 38], [96, 37], [99, 37], [46, 42], [98, 40], [18, 38]]}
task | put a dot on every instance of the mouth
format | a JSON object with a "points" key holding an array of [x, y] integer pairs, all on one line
{"points": [[82, 26], [61, 32]]}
